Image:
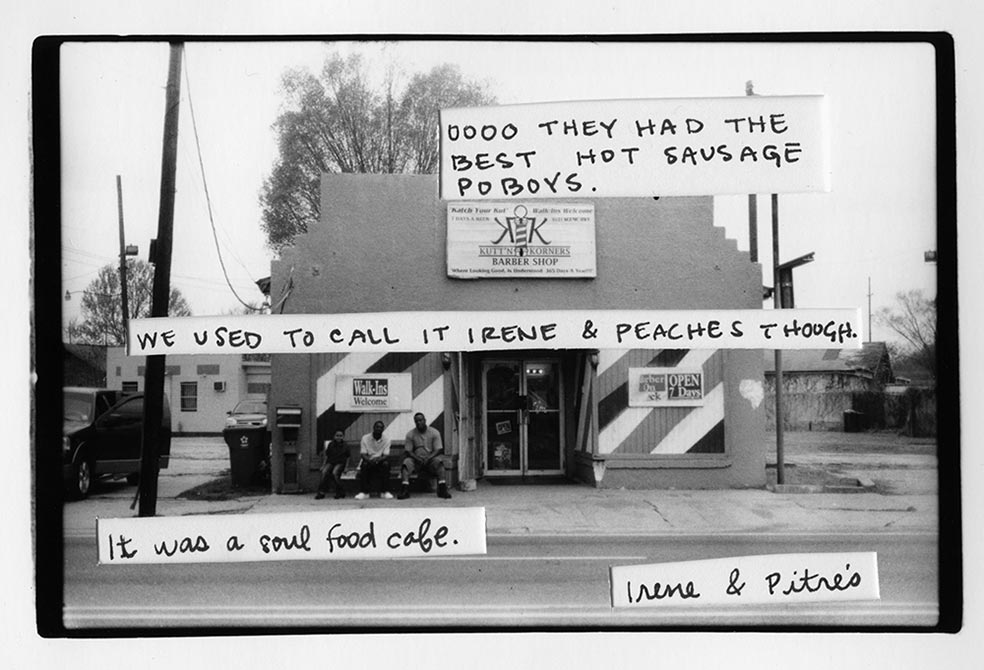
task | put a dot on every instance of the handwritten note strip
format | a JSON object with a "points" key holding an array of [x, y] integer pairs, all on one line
{"points": [[498, 330], [748, 580], [606, 148], [337, 535]]}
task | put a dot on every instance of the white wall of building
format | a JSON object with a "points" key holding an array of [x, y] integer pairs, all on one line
{"points": [[200, 388]]}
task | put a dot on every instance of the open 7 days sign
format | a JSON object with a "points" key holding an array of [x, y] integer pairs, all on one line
{"points": [[665, 387]]}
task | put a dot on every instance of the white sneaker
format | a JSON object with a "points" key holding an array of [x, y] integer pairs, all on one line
{"points": [[361, 496], [386, 495]]}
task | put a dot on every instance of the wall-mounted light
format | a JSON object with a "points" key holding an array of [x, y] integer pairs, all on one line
{"points": [[593, 358], [446, 361]]}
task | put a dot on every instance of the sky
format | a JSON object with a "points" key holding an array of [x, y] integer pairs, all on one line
{"points": [[876, 222]]}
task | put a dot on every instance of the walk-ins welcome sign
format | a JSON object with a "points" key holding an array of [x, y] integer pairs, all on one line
{"points": [[657, 147]]}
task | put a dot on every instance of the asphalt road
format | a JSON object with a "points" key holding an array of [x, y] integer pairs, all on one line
{"points": [[522, 582]]}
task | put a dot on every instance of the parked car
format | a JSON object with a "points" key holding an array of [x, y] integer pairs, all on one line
{"points": [[102, 436], [247, 413]]}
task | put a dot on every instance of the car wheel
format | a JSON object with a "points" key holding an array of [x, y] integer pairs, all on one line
{"points": [[83, 478], [133, 478]]}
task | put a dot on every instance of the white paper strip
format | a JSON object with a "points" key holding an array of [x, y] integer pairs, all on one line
{"points": [[338, 535], [748, 580], [503, 330], [657, 147]]}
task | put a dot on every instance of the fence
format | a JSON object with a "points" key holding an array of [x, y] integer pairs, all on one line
{"points": [[912, 412]]}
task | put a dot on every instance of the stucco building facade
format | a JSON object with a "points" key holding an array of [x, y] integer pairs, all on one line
{"points": [[382, 246]]}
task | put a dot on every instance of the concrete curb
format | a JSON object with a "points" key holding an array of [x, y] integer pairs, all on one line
{"points": [[863, 485]]}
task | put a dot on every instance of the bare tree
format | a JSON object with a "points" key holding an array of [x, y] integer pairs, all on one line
{"points": [[337, 122], [73, 330], [914, 319], [102, 310], [248, 308]]}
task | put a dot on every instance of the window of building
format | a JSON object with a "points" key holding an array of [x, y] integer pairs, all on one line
{"points": [[169, 371], [257, 388], [208, 369], [189, 396], [130, 387]]}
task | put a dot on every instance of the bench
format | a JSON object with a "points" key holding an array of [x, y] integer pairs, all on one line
{"points": [[422, 482]]}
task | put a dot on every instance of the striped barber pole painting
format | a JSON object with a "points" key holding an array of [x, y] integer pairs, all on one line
{"points": [[658, 430], [428, 394]]}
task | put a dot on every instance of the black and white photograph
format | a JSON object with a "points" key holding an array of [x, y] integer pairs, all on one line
{"points": [[334, 179], [495, 333]]}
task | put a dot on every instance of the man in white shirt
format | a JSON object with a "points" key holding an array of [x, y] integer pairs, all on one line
{"points": [[374, 469]]}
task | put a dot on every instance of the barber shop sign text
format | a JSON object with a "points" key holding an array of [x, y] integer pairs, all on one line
{"points": [[517, 239]]}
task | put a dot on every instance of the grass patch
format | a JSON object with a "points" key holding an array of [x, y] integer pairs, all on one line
{"points": [[221, 488]]}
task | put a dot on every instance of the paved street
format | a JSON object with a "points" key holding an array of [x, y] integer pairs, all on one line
{"points": [[549, 550], [521, 581], [194, 461]]}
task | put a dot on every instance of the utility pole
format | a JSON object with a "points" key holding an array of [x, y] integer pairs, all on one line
{"points": [[777, 303], [752, 205], [123, 284], [154, 380], [869, 309]]}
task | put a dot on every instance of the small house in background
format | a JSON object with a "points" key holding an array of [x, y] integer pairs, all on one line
{"points": [[819, 386], [910, 401], [200, 388]]}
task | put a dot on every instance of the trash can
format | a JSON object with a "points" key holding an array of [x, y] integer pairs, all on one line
{"points": [[248, 446], [854, 421]]}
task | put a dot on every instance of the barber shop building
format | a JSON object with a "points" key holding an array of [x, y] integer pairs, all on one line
{"points": [[609, 418]]}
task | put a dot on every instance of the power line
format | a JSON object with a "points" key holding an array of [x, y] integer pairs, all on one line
{"points": [[99, 265], [206, 280], [226, 240], [88, 254], [90, 272], [208, 199]]}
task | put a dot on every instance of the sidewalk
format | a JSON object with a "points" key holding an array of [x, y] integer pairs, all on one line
{"points": [[577, 509], [580, 510]]}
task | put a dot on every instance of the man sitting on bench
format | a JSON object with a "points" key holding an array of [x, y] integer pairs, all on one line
{"points": [[423, 452], [374, 467], [334, 458]]}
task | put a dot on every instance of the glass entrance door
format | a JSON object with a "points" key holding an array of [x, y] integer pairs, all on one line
{"points": [[523, 416]]}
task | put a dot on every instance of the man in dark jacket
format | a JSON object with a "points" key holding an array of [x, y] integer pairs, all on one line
{"points": [[334, 459]]}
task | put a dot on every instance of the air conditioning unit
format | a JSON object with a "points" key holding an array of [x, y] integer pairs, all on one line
{"points": [[218, 387]]}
